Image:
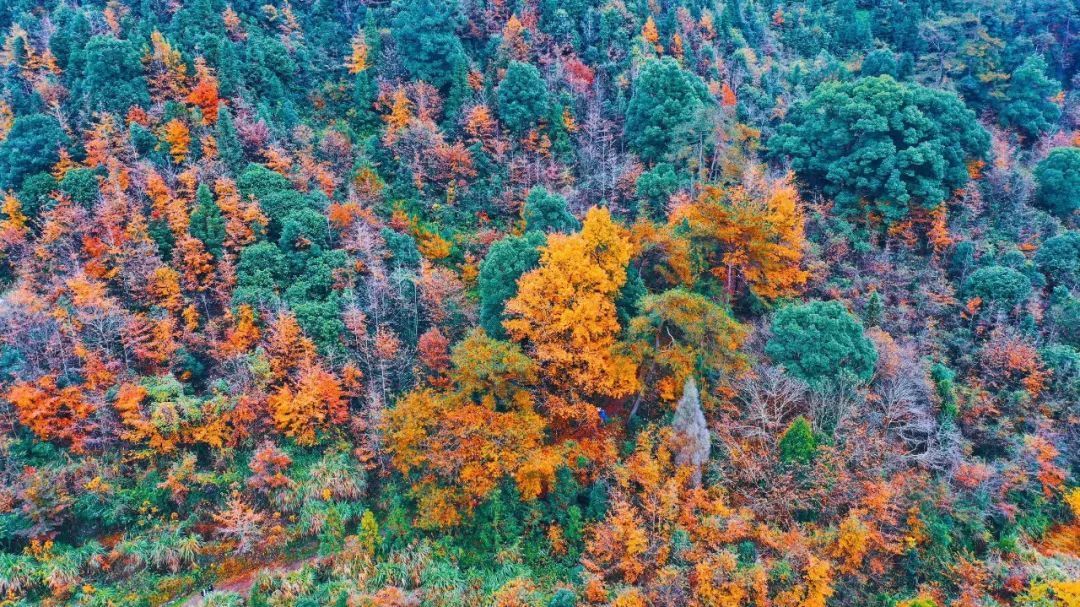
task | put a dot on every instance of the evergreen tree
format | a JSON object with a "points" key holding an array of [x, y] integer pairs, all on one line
{"points": [[547, 212], [1059, 258], [32, 146], [798, 443], [819, 341], [1057, 182], [228, 141], [998, 287], [665, 99], [425, 32], [881, 147], [113, 76], [505, 262], [207, 223], [523, 98], [1028, 107]]}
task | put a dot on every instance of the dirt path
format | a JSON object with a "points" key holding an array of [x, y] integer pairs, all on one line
{"points": [[241, 584]]}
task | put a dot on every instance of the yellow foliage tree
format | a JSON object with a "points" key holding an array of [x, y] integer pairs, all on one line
{"points": [[178, 137], [565, 310]]}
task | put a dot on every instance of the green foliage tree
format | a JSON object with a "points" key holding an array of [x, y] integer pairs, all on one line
{"points": [[654, 188], [1028, 107], [523, 98], [113, 75], [260, 270], [1057, 182], [1064, 316], [402, 249], [228, 141], [36, 192], [425, 32], [874, 311], [819, 341], [665, 98], [1064, 364], [998, 287], [32, 146], [879, 62], [798, 443], [207, 223], [879, 146], [1059, 258], [505, 262], [548, 212], [945, 385], [82, 186]]}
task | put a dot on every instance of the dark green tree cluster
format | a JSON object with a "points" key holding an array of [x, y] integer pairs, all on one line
{"points": [[821, 341], [881, 147]]}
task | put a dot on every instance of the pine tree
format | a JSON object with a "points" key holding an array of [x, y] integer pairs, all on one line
{"points": [[798, 443], [207, 222], [228, 141]]}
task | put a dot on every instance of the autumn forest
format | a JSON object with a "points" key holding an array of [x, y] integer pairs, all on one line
{"points": [[540, 303]]}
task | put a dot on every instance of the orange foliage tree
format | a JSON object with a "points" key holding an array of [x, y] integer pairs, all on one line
{"points": [[315, 403], [51, 412], [205, 92], [750, 235], [457, 444]]}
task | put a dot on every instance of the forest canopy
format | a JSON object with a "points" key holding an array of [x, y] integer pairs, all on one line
{"points": [[529, 303]]}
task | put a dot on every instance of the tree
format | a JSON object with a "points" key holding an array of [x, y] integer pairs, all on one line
{"points": [[749, 236], [82, 186], [680, 335], [798, 443], [880, 147], [496, 283], [565, 309], [317, 403], [655, 187], [178, 138], [52, 412], [1059, 258], [691, 431], [998, 287], [523, 98], [664, 100], [32, 146], [207, 223], [1028, 107], [819, 341], [1057, 182], [547, 212], [425, 34], [228, 141], [113, 75], [458, 444], [204, 94]]}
